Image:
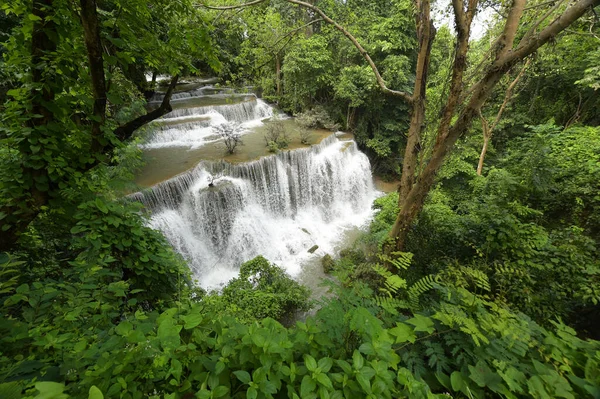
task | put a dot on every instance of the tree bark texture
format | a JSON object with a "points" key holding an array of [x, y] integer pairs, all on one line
{"points": [[449, 133]]}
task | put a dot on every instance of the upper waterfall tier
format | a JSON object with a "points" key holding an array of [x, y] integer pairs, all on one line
{"points": [[195, 113], [278, 206]]}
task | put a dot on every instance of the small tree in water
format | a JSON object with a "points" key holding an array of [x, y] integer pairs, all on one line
{"points": [[231, 133]]}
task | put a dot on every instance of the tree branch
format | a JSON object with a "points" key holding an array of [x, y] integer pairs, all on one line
{"points": [[507, 39], [537, 23], [488, 130], [294, 31], [252, 3], [124, 132], [407, 97], [559, 24]]}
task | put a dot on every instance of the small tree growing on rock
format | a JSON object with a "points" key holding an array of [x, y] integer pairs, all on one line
{"points": [[231, 133]]}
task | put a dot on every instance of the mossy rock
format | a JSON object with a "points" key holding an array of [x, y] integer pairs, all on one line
{"points": [[328, 264]]}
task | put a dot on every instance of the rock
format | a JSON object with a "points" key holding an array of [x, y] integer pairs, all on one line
{"points": [[328, 264], [313, 249]]}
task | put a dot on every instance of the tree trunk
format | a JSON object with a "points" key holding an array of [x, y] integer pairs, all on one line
{"points": [[93, 45], [426, 34]]}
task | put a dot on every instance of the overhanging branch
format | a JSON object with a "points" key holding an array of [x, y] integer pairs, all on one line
{"points": [[407, 97], [124, 132], [233, 7]]}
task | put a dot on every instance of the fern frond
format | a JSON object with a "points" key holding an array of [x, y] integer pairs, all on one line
{"points": [[9, 275], [419, 288], [399, 260]]}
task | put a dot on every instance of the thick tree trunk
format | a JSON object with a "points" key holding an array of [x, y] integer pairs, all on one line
{"points": [[93, 45], [426, 35]]}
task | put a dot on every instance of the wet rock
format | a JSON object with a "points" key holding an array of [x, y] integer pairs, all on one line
{"points": [[328, 264]]}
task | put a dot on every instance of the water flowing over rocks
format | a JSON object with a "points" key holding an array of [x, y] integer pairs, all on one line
{"points": [[263, 207]]}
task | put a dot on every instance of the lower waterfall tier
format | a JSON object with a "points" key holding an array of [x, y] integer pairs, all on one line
{"points": [[279, 207]]}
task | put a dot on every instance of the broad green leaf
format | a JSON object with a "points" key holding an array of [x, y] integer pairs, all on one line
{"points": [[310, 362], [95, 393], [403, 333], [307, 386], [422, 323], [168, 334], [251, 393], [324, 380], [243, 376], [50, 390], [101, 205], [192, 320]]}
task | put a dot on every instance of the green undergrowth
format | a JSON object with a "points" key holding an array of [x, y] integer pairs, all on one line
{"points": [[82, 341]]}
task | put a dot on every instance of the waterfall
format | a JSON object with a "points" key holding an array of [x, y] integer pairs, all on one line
{"points": [[278, 206], [192, 126]]}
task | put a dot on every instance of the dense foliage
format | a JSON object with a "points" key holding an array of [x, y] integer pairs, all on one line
{"points": [[498, 296]]}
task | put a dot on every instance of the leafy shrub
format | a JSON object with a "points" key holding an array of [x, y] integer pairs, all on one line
{"points": [[304, 135], [316, 118], [262, 290], [275, 135]]}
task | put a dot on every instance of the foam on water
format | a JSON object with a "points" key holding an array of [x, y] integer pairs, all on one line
{"points": [[278, 207], [184, 129]]}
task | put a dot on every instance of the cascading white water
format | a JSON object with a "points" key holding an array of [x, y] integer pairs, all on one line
{"points": [[278, 206], [192, 127]]}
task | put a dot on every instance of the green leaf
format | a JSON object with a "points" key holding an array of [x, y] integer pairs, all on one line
{"points": [[220, 391], [192, 320], [243, 376], [310, 362], [10, 390], [124, 328], [357, 360], [101, 205], [50, 390], [251, 393], [324, 380], [422, 323], [95, 393], [403, 333], [307, 386], [456, 379], [325, 364], [203, 394], [168, 334]]}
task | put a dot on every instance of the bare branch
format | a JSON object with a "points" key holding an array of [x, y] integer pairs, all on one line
{"points": [[296, 30], [508, 95], [291, 33]]}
